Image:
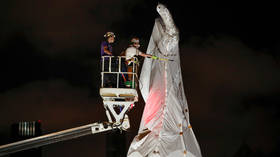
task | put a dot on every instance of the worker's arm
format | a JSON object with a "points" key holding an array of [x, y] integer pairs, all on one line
{"points": [[149, 56], [145, 55], [107, 51], [122, 53]]}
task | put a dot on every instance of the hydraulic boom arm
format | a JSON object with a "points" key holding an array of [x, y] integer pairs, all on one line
{"points": [[61, 136]]}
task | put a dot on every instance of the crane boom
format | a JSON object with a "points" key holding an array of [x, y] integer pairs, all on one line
{"points": [[60, 136]]}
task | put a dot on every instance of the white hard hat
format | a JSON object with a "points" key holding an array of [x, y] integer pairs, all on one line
{"points": [[109, 34], [135, 40]]}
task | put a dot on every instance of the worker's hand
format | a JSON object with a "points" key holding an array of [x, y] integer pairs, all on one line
{"points": [[154, 57]]}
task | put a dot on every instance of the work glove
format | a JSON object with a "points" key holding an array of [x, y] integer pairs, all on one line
{"points": [[155, 57], [136, 62]]}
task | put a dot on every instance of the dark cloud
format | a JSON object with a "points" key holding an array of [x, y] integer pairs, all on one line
{"points": [[53, 101], [229, 56], [61, 26], [220, 73]]}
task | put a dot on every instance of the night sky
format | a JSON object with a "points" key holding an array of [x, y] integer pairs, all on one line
{"points": [[230, 61]]}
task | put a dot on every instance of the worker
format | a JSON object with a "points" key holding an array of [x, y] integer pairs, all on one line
{"points": [[107, 50], [133, 50], [130, 52]]}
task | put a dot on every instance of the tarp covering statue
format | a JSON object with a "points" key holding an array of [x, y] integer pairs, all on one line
{"points": [[165, 129]]}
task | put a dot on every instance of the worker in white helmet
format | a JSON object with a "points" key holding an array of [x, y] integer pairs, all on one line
{"points": [[132, 51], [106, 46], [106, 52]]}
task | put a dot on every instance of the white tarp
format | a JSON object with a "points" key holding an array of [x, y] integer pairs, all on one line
{"points": [[165, 129]]}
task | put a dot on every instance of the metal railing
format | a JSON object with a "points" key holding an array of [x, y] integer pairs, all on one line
{"points": [[115, 70]]}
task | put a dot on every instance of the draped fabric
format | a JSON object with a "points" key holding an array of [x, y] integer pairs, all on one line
{"points": [[165, 129]]}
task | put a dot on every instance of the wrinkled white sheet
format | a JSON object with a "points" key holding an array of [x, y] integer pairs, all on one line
{"points": [[165, 129]]}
